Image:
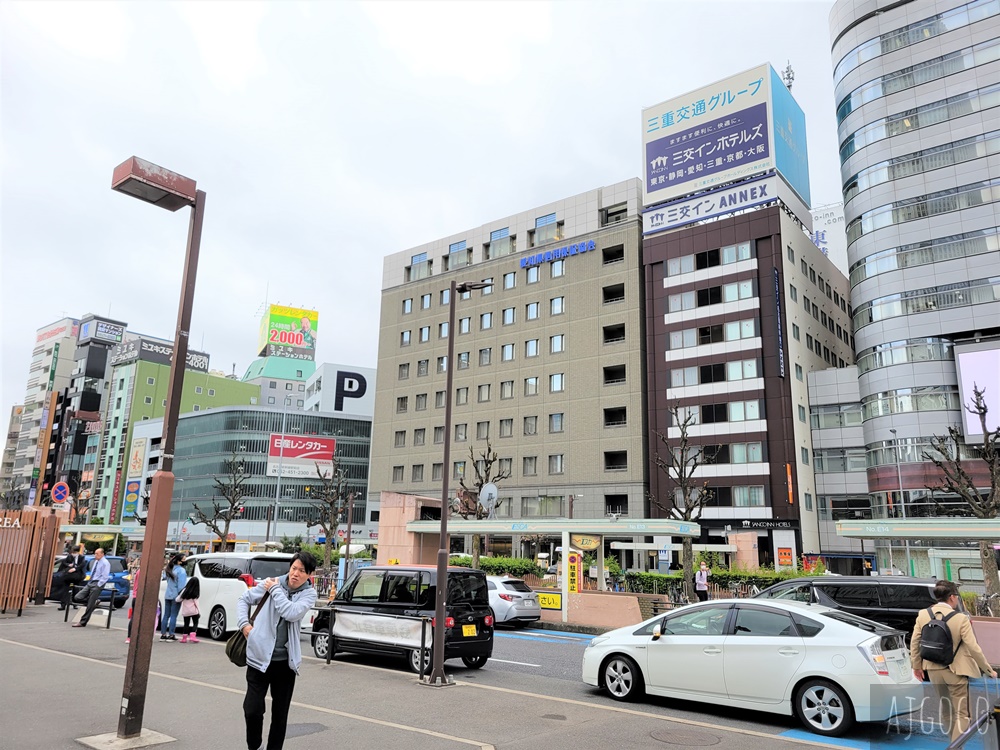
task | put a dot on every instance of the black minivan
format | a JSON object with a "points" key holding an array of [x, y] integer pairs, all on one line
{"points": [[382, 610], [892, 600]]}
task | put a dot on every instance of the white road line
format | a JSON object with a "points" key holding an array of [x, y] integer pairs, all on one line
{"points": [[222, 688], [519, 663]]}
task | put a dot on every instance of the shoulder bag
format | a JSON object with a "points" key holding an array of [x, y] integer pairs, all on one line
{"points": [[236, 646]]}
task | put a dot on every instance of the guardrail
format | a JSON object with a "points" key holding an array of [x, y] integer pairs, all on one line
{"points": [[109, 586]]}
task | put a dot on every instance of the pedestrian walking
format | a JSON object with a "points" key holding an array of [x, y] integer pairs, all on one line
{"points": [[701, 577], [72, 569], [960, 659], [273, 647], [98, 577], [188, 599], [176, 578]]}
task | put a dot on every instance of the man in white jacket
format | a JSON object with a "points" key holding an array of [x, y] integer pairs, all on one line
{"points": [[273, 649]]}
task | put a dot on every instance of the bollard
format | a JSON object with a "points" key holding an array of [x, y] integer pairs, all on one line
{"points": [[423, 646], [329, 637]]}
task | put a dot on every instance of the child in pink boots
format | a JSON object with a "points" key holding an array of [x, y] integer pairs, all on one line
{"points": [[188, 599]]}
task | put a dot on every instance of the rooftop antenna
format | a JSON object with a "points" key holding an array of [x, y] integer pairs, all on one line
{"points": [[788, 75]]}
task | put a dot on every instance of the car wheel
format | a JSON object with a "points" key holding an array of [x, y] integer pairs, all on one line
{"points": [[217, 624], [321, 644], [120, 603], [413, 660], [474, 662], [824, 708], [622, 678]]}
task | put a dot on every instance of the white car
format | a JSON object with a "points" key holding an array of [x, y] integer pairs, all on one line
{"points": [[513, 601], [828, 667], [223, 577]]}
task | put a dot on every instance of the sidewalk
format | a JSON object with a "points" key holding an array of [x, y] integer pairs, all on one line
{"points": [[66, 683]]}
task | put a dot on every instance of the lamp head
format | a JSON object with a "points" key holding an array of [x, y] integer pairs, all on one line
{"points": [[153, 184]]}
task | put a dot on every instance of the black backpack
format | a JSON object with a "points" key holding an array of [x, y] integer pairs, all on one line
{"points": [[936, 644]]}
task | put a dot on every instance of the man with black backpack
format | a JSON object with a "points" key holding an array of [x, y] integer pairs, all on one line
{"points": [[944, 646]]}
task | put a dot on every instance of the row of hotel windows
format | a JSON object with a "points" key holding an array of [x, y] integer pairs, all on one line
{"points": [[960, 294], [557, 384], [557, 344], [613, 417], [708, 259], [733, 411], [824, 320], [925, 252], [711, 296], [883, 453], [923, 116], [557, 306]]}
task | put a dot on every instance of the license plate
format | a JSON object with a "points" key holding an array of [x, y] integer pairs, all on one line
{"points": [[469, 630]]}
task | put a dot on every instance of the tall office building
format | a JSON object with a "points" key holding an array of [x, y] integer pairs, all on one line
{"points": [[10, 448], [549, 361], [917, 92]]}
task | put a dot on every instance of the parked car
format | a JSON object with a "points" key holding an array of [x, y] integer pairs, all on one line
{"points": [[383, 610], [513, 601], [224, 577], [780, 656], [892, 600], [120, 577]]}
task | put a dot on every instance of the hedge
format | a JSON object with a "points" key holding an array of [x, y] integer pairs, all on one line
{"points": [[498, 566], [658, 583]]}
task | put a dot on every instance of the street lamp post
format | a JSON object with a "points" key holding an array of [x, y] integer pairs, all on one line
{"points": [[902, 503], [169, 190], [437, 676]]}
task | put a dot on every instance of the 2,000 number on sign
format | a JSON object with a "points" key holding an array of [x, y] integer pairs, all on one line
{"points": [[295, 338]]}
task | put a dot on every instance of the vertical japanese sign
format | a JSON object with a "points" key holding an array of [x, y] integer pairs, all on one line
{"points": [[574, 563], [777, 313]]}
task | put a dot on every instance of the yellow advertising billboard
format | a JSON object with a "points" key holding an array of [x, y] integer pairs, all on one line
{"points": [[288, 332]]}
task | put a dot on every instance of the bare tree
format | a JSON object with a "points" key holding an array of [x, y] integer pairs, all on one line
{"points": [[467, 504], [946, 454], [232, 488], [328, 506], [688, 497], [10, 498]]}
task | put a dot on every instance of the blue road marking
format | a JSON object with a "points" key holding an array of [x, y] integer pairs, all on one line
{"points": [[881, 735], [542, 638], [559, 634]]}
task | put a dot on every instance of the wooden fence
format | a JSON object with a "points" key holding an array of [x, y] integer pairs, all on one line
{"points": [[29, 539]]}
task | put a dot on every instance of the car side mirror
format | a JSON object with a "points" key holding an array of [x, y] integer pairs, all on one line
{"points": [[657, 631]]}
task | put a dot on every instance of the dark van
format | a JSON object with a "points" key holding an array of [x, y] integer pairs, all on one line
{"points": [[892, 600], [381, 609]]}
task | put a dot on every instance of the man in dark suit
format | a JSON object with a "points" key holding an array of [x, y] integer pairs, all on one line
{"points": [[969, 660], [73, 568]]}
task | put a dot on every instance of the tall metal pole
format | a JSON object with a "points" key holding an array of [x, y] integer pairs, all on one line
{"points": [[437, 676], [902, 503], [281, 459], [137, 665]]}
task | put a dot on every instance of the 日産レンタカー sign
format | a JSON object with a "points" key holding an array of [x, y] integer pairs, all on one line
{"points": [[300, 455]]}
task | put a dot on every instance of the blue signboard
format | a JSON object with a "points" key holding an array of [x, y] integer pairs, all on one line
{"points": [[790, 155]]}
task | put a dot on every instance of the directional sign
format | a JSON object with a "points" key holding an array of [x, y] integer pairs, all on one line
{"points": [[60, 492]]}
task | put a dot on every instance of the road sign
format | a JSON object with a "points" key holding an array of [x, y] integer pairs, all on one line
{"points": [[60, 492]]}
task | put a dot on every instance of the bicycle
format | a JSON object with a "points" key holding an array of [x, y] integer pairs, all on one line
{"points": [[987, 604]]}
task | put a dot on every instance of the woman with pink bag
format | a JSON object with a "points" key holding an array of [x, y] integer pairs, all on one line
{"points": [[188, 599]]}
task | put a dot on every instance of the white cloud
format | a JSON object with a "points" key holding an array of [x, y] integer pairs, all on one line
{"points": [[227, 36], [97, 31], [479, 42]]}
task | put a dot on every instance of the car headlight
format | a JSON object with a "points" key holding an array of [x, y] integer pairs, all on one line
{"points": [[597, 641]]}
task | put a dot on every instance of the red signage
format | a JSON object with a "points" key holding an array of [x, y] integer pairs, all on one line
{"points": [[306, 447]]}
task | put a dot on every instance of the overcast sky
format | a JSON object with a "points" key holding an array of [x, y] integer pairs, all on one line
{"points": [[328, 135]]}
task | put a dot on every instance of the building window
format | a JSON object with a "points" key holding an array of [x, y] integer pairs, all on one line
{"points": [[557, 382], [445, 296], [288, 386], [442, 364], [198, 389], [485, 356], [507, 317], [484, 392], [464, 325], [418, 472], [419, 436], [531, 348], [439, 399], [791, 254], [808, 501], [506, 352], [404, 340], [487, 289], [802, 413], [460, 433], [401, 404], [509, 280], [506, 428], [506, 389], [211, 391], [529, 466], [399, 439], [420, 404], [397, 474], [482, 430], [407, 306], [425, 334], [557, 343], [422, 367], [486, 321], [531, 311], [531, 425], [436, 471], [793, 293], [798, 372], [461, 396], [149, 400], [616, 460], [152, 381], [556, 422], [463, 360], [557, 305], [404, 371], [270, 400], [438, 435], [531, 274], [557, 268], [795, 332], [459, 470], [805, 456], [443, 330], [425, 301], [556, 463], [531, 386], [299, 402]]}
